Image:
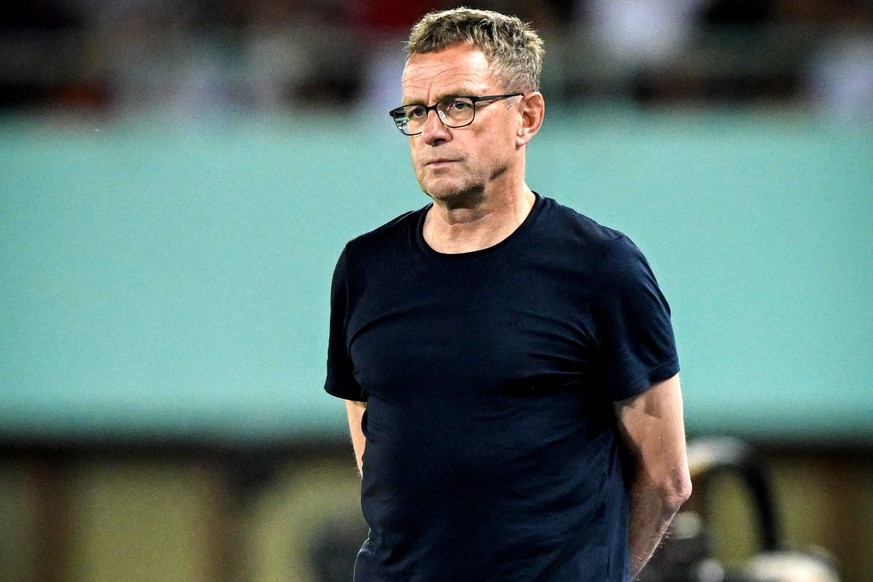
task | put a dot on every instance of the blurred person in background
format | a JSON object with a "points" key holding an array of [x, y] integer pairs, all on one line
{"points": [[383, 26], [508, 365], [642, 32], [840, 78]]}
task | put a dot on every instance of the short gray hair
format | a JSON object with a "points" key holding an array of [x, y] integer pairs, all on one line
{"points": [[512, 47]]}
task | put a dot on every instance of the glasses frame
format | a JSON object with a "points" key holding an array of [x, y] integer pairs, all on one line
{"points": [[428, 108]]}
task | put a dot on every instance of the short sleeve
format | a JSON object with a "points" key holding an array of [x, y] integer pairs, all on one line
{"points": [[633, 322], [340, 380]]}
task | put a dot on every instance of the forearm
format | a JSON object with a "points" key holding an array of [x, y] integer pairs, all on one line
{"points": [[653, 431], [651, 511]]}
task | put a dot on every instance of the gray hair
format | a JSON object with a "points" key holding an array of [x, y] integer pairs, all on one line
{"points": [[512, 47]]}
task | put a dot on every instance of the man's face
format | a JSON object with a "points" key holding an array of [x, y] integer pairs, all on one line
{"points": [[453, 165]]}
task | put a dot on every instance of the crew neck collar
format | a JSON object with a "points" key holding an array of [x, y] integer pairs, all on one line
{"points": [[518, 233]]}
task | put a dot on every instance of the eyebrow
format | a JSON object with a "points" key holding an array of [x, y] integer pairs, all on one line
{"points": [[446, 95]]}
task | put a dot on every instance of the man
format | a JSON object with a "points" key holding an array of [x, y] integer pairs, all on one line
{"points": [[508, 364]]}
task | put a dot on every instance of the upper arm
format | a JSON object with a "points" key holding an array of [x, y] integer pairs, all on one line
{"points": [[653, 430], [340, 381], [632, 322]]}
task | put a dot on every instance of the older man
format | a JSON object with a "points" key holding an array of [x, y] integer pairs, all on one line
{"points": [[508, 364]]}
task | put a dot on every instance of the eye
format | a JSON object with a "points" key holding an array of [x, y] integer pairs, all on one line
{"points": [[416, 111], [458, 104]]}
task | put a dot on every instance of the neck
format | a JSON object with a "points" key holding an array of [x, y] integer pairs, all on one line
{"points": [[490, 220]]}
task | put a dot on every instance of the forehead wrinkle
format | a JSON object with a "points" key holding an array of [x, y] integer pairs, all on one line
{"points": [[446, 86], [441, 80]]}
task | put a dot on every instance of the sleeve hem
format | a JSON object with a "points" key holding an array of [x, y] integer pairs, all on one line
{"points": [[344, 392], [657, 374]]}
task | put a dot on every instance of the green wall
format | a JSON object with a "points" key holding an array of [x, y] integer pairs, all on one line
{"points": [[163, 277]]}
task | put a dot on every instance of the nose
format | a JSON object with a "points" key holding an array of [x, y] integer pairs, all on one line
{"points": [[434, 129]]}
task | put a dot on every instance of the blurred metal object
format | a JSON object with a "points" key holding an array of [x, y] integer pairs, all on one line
{"points": [[710, 457], [791, 567], [686, 555]]}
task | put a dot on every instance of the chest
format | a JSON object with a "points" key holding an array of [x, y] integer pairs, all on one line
{"points": [[459, 329]]}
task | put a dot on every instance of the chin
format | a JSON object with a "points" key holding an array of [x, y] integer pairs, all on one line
{"points": [[459, 197]]}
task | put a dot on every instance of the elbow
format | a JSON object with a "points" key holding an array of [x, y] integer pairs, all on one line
{"points": [[665, 494], [676, 492]]}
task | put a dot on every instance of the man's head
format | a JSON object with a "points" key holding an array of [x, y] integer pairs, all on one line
{"points": [[478, 73], [513, 49]]}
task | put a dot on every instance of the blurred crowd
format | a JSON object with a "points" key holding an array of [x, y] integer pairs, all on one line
{"points": [[193, 56]]}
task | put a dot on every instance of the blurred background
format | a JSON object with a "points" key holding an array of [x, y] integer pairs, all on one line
{"points": [[178, 177]]}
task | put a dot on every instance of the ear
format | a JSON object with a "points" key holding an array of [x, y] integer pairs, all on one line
{"points": [[532, 114]]}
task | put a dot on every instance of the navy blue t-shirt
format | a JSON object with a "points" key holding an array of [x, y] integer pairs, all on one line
{"points": [[492, 448]]}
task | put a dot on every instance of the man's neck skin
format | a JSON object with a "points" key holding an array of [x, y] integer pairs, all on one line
{"points": [[453, 230]]}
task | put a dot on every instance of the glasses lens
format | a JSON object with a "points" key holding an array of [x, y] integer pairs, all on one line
{"points": [[453, 112], [401, 119], [409, 119], [456, 111]]}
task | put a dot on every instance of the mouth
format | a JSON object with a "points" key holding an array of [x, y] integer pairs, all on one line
{"points": [[439, 163]]}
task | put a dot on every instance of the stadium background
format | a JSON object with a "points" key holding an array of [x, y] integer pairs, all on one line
{"points": [[178, 177]]}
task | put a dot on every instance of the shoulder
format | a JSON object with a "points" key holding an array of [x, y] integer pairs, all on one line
{"points": [[609, 255], [384, 248], [575, 227], [398, 226], [385, 237], [566, 220]]}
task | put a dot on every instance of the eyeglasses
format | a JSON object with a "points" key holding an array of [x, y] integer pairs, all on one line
{"points": [[453, 112]]}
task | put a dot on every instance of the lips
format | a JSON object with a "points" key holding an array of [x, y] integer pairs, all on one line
{"points": [[439, 162]]}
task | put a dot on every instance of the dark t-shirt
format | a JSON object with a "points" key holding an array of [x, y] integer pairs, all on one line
{"points": [[492, 450]]}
